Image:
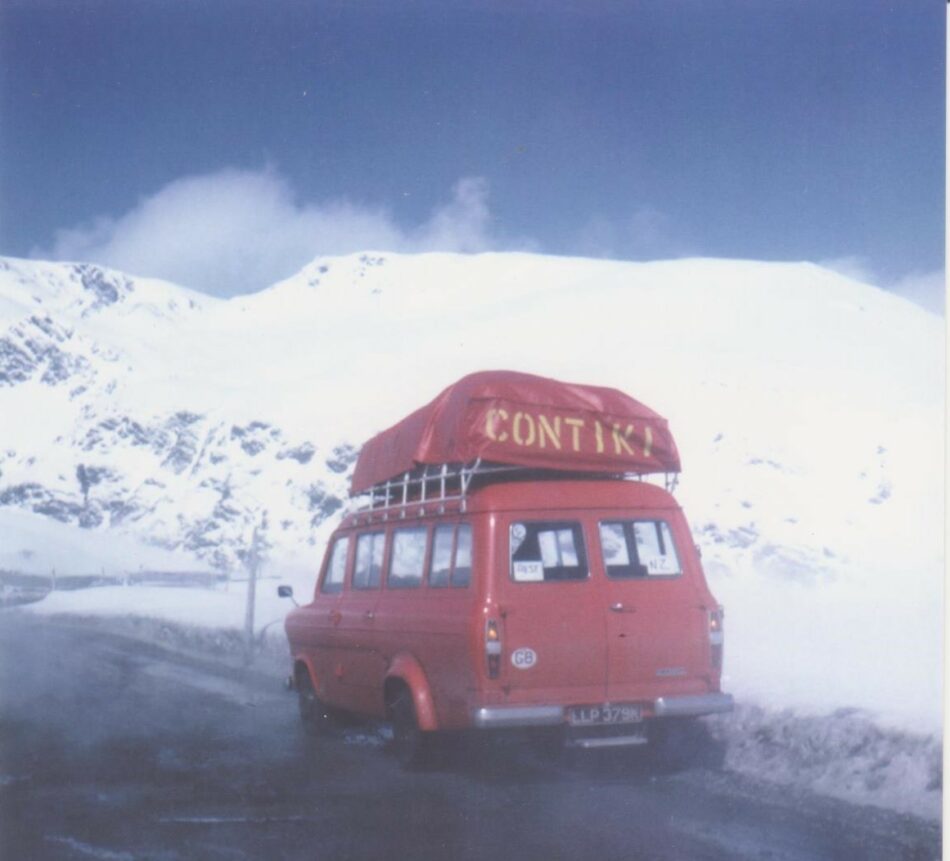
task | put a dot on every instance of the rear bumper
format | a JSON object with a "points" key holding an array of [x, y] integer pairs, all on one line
{"points": [[693, 705], [493, 717]]}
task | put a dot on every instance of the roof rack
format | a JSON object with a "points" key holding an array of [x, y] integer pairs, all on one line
{"points": [[444, 487]]}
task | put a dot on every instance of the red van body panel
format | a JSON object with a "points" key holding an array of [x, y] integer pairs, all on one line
{"points": [[577, 642]]}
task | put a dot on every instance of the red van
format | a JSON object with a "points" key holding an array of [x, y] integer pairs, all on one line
{"points": [[505, 565]]}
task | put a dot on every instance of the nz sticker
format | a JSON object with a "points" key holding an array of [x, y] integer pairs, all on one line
{"points": [[524, 659]]}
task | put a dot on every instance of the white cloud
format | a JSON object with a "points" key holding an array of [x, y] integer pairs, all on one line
{"points": [[927, 289], [852, 266], [645, 234], [238, 231]]}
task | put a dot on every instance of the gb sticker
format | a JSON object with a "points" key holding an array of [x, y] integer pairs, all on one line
{"points": [[524, 659]]}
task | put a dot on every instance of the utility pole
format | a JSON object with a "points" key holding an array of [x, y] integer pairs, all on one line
{"points": [[253, 563]]}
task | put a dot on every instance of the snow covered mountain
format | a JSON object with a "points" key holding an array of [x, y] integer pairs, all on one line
{"points": [[807, 408]]}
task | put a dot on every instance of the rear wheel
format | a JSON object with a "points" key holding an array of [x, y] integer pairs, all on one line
{"points": [[682, 743], [410, 744], [314, 713]]}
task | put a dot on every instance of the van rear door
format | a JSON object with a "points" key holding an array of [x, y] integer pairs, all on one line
{"points": [[553, 614], [657, 626]]}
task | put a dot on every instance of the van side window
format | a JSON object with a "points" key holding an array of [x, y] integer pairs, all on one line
{"points": [[336, 569], [408, 558], [369, 560], [547, 551], [451, 556], [462, 572], [638, 548], [440, 567]]}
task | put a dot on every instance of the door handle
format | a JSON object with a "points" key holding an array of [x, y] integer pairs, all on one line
{"points": [[335, 616], [369, 615], [620, 608]]}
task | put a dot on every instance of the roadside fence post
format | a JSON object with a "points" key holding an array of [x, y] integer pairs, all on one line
{"points": [[253, 564]]}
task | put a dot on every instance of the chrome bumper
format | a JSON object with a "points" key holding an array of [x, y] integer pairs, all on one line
{"points": [[694, 705], [507, 716]]}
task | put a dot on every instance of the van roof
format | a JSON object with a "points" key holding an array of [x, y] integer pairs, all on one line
{"points": [[520, 419]]}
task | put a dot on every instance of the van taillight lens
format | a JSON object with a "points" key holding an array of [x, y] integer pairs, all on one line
{"points": [[715, 637], [492, 648]]}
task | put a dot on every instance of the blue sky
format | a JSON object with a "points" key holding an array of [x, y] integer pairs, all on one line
{"points": [[157, 134]]}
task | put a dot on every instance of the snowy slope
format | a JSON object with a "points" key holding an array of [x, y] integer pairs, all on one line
{"points": [[807, 408]]}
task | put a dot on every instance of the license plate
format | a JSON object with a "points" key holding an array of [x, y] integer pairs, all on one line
{"points": [[605, 714]]}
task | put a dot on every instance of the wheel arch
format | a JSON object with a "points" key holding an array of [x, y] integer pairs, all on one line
{"points": [[405, 670], [303, 665]]}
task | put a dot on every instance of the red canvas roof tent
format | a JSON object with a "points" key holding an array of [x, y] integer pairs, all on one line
{"points": [[520, 419]]}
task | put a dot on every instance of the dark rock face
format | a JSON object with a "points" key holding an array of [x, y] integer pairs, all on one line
{"points": [[16, 365], [34, 497], [106, 288], [255, 437], [342, 458], [34, 346], [110, 431], [322, 502], [302, 453], [183, 450]]}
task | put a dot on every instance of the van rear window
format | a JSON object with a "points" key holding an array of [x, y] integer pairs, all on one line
{"points": [[547, 551], [638, 548]]}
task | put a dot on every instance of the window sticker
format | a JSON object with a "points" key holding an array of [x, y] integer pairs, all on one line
{"points": [[655, 547], [549, 553], [528, 571], [567, 555], [518, 533]]}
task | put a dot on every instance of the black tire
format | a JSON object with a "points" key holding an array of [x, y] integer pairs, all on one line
{"points": [[314, 713], [682, 743], [410, 744]]}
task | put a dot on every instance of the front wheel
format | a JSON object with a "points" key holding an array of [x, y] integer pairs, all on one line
{"points": [[314, 713]]}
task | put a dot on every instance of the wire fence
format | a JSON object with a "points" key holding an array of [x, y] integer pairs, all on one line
{"points": [[20, 587]]}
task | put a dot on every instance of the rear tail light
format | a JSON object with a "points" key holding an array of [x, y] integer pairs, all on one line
{"points": [[715, 637], [492, 648]]}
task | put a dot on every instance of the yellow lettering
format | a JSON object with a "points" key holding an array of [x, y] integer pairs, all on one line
{"points": [[647, 440], [516, 429], [599, 434], [575, 425], [491, 425], [552, 433], [622, 440]]}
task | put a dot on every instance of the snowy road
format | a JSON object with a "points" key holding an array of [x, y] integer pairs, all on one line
{"points": [[112, 749]]}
